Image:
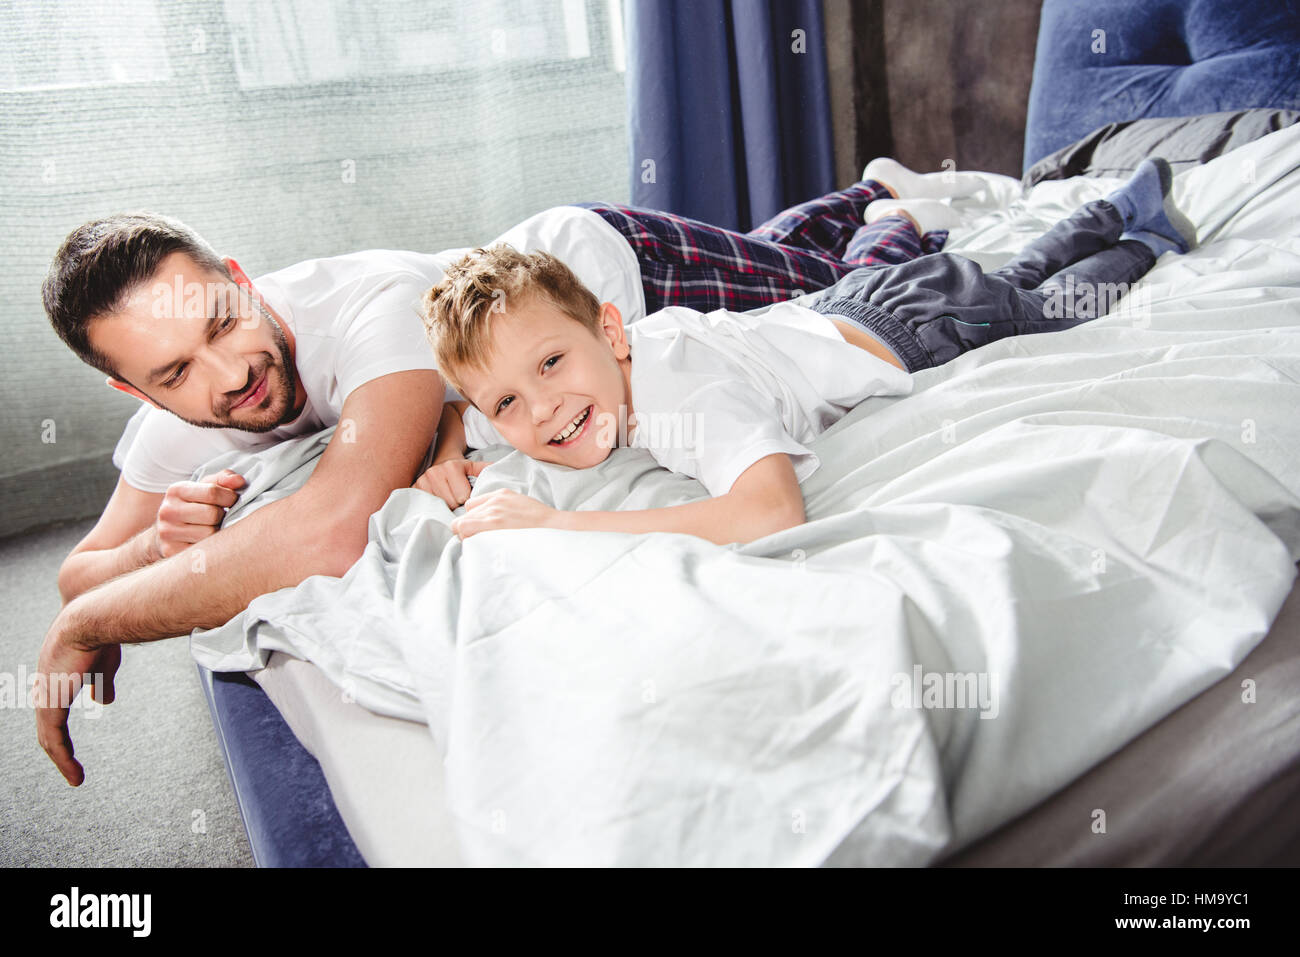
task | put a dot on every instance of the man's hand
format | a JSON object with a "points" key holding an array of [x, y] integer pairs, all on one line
{"points": [[450, 480], [318, 530], [191, 511], [64, 666], [502, 509]]}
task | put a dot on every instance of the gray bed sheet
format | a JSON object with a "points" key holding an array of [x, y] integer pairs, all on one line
{"points": [[1217, 782]]}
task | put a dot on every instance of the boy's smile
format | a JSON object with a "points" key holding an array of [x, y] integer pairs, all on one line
{"points": [[552, 388]]}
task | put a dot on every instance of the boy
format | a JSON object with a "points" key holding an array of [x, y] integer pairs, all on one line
{"points": [[729, 398]]}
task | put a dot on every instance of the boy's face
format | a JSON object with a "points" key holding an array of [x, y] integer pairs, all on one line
{"points": [[552, 388]]}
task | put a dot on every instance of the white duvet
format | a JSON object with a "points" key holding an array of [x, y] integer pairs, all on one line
{"points": [[1006, 576]]}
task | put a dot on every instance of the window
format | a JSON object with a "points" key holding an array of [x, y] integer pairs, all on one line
{"points": [[282, 130]]}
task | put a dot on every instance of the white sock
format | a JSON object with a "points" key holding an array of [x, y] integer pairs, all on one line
{"points": [[909, 184], [930, 214]]}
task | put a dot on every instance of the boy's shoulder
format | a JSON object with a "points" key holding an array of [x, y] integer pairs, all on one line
{"points": [[677, 351], [677, 320]]}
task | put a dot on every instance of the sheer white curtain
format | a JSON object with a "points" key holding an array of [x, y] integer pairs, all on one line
{"points": [[281, 130]]}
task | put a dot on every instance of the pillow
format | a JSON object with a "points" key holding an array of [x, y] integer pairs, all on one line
{"points": [[1110, 61], [1185, 141]]}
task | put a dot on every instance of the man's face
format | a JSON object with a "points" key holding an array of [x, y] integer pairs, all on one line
{"points": [[552, 388], [201, 348]]}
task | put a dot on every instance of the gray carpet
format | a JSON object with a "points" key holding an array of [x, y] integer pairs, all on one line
{"points": [[156, 792]]}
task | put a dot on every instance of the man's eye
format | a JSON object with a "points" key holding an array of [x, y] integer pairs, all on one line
{"points": [[503, 403], [226, 324], [175, 380]]}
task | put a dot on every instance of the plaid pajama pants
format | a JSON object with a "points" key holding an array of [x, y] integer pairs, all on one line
{"points": [[685, 262]]}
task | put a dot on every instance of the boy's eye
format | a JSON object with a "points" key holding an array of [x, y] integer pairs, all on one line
{"points": [[550, 362], [503, 403]]}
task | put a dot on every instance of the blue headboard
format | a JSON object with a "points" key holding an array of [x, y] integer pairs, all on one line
{"points": [[1105, 61]]}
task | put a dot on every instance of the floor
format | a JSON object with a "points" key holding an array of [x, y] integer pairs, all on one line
{"points": [[156, 792]]}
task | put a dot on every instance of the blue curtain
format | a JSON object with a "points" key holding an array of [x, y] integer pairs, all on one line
{"points": [[728, 109]]}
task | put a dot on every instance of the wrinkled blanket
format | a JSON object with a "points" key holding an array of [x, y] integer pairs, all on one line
{"points": [[1006, 576]]}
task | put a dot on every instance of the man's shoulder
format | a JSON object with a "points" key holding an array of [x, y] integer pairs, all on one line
{"points": [[317, 293], [157, 448], [355, 266]]}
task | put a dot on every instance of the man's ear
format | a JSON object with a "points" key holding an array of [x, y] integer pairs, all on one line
{"points": [[131, 390], [611, 322], [237, 273]]}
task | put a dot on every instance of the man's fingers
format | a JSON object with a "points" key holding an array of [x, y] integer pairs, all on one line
{"points": [[207, 493], [102, 689], [224, 477], [231, 480], [61, 755], [192, 513], [52, 733]]}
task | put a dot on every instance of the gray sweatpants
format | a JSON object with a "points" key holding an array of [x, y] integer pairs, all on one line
{"points": [[932, 309]]}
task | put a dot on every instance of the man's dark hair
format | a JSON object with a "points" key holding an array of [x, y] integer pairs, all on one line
{"points": [[102, 262]]}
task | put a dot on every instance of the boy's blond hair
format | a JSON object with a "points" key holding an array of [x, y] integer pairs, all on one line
{"points": [[458, 310]]}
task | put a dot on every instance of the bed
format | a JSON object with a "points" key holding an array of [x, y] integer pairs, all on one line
{"points": [[1195, 763]]}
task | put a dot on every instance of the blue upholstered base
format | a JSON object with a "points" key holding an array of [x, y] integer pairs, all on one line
{"points": [[1106, 61], [288, 812]]}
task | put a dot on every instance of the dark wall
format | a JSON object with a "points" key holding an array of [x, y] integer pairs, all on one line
{"points": [[941, 79]]}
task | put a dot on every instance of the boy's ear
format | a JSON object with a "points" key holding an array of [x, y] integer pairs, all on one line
{"points": [[611, 321], [131, 390]]}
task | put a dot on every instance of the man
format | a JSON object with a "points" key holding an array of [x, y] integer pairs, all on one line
{"points": [[222, 363]]}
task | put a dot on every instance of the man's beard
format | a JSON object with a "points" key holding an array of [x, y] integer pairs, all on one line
{"points": [[286, 369]]}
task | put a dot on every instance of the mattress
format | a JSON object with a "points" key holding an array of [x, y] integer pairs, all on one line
{"points": [[380, 770], [1215, 783]]}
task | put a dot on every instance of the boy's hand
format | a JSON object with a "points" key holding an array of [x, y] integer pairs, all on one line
{"points": [[502, 509], [450, 480]]}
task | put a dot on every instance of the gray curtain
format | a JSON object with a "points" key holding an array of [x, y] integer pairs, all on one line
{"points": [[281, 130]]}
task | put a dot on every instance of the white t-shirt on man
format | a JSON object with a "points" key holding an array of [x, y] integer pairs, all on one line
{"points": [[356, 318], [715, 392]]}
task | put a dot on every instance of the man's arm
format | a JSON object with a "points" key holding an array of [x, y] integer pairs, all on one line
{"points": [[121, 541], [138, 528], [451, 433], [765, 499], [386, 427], [319, 529]]}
